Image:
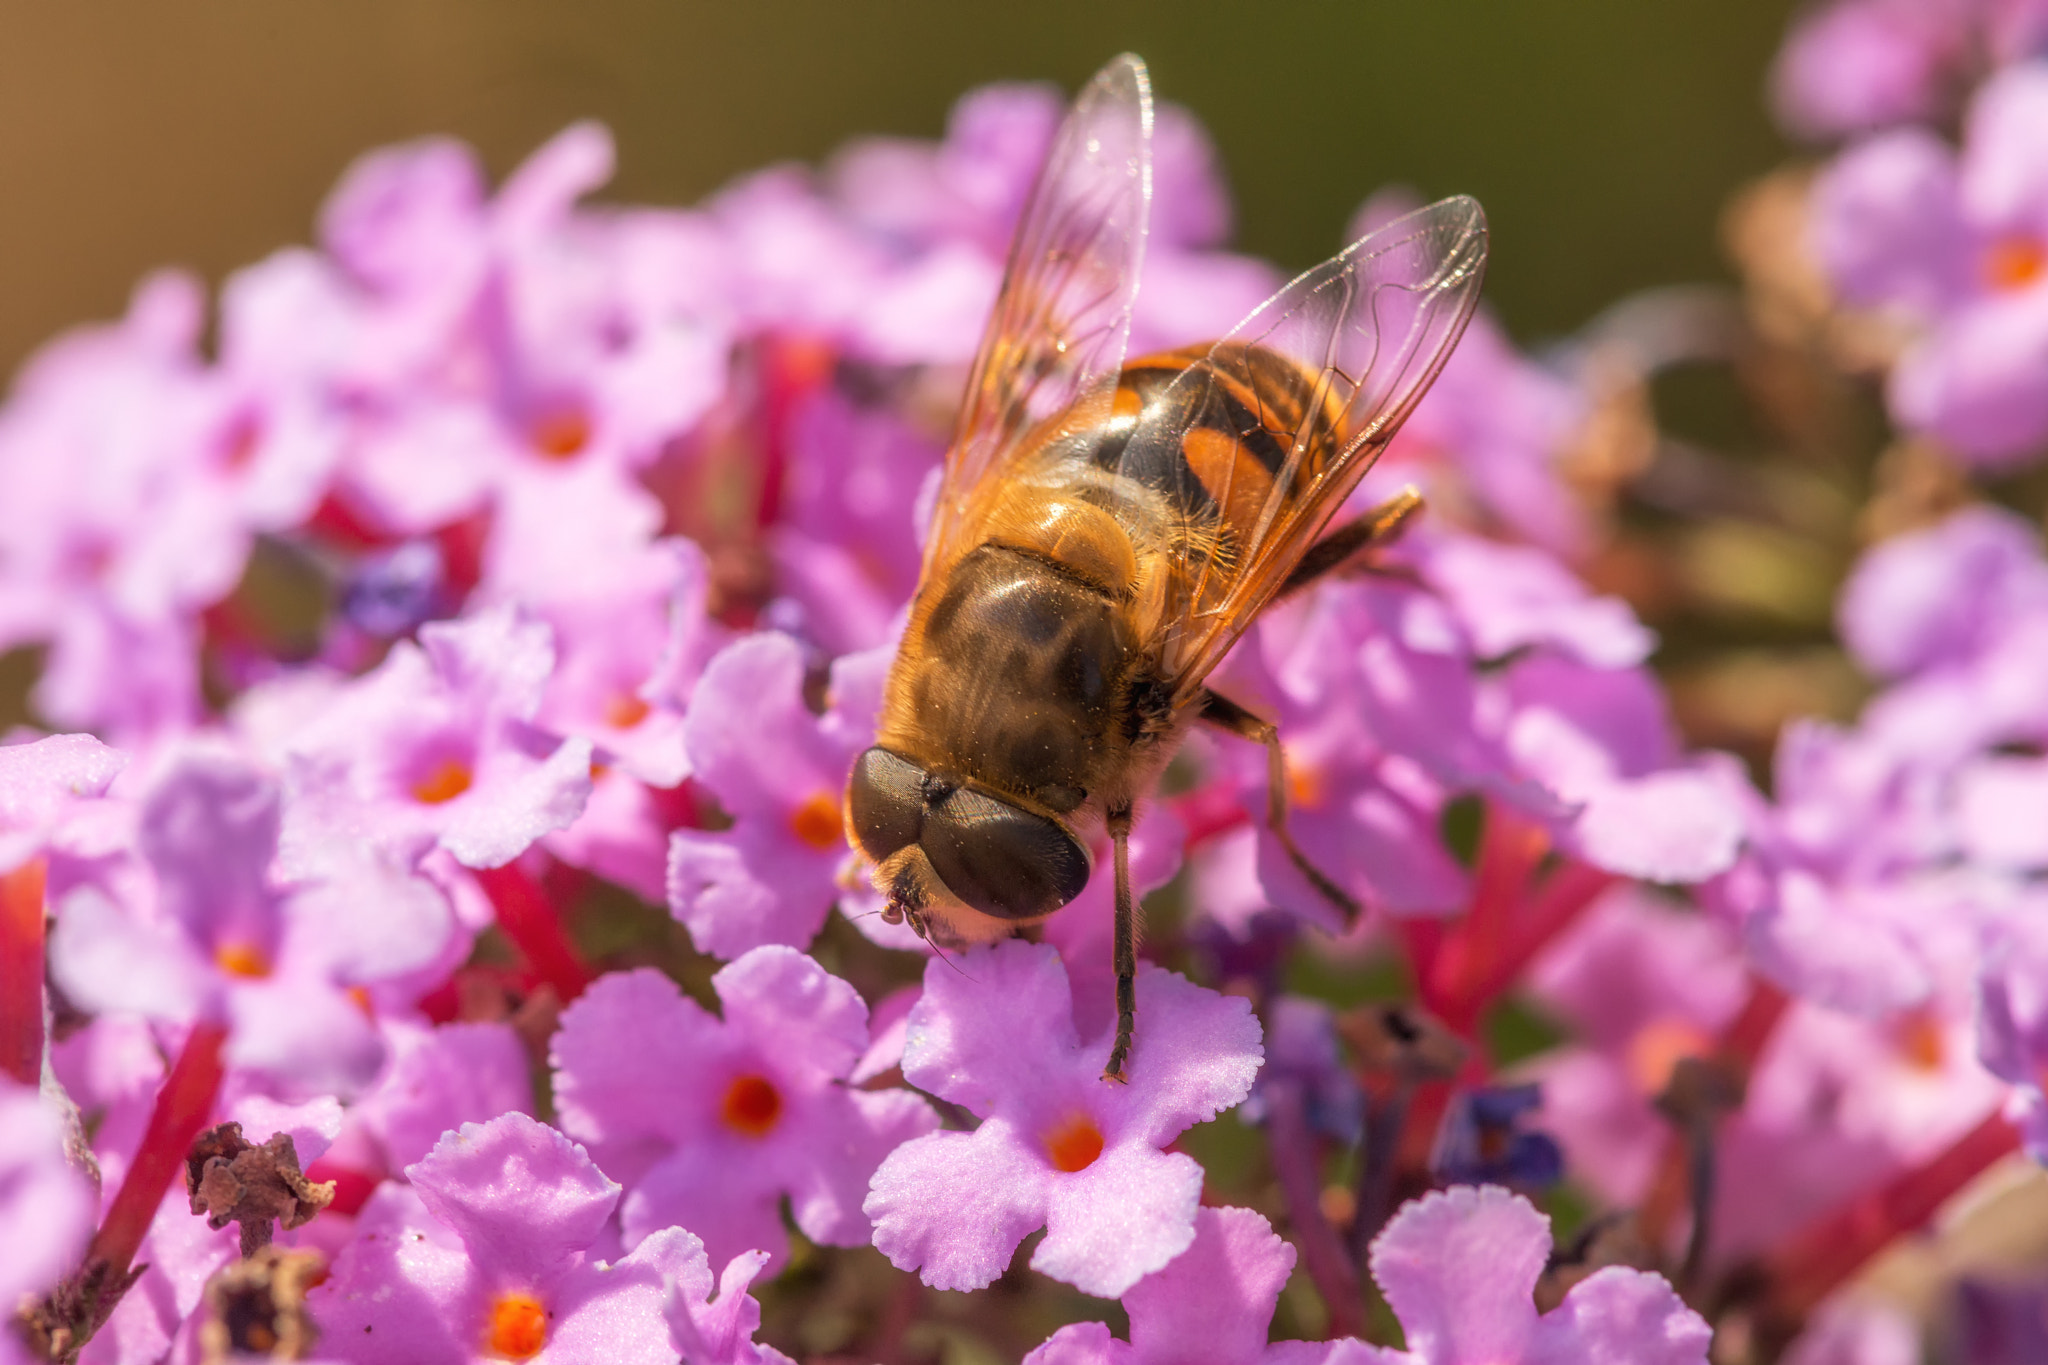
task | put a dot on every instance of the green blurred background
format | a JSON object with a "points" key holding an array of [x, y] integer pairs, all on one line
{"points": [[1603, 135]]}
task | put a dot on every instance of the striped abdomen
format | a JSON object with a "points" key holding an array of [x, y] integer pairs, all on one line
{"points": [[1214, 435]]}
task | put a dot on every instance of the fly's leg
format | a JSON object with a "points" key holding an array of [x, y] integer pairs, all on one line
{"points": [[1380, 526], [1126, 945], [1225, 714]]}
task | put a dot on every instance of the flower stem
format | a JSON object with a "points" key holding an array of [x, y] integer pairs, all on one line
{"points": [[181, 1110], [1556, 905], [1741, 1043], [529, 920], [1329, 1266], [1814, 1262], [21, 972]]}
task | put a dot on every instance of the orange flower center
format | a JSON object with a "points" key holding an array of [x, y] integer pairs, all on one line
{"points": [[817, 822], [1074, 1145], [1920, 1042], [1306, 789], [752, 1106], [443, 782], [561, 433], [1659, 1046], [625, 711], [242, 959], [2014, 263], [518, 1327]]}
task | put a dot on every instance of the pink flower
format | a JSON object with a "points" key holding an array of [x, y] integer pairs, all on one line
{"points": [[752, 1108], [780, 771], [1959, 248], [438, 747], [1943, 595], [1058, 1147], [1211, 1303], [1459, 1268], [489, 1255], [221, 939], [1859, 64]]}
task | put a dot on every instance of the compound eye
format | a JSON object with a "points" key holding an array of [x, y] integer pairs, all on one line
{"points": [[1001, 860], [885, 798]]}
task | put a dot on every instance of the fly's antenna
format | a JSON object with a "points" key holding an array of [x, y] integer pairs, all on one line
{"points": [[919, 927]]}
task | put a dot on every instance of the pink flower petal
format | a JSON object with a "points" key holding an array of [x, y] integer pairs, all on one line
{"points": [[1215, 1300], [523, 1198], [1458, 1267], [955, 1205], [1618, 1316], [1123, 1217]]}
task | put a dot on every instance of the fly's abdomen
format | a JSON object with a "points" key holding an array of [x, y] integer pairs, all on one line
{"points": [[1210, 433]]}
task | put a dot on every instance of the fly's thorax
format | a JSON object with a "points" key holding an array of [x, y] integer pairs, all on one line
{"points": [[1014, 673]]}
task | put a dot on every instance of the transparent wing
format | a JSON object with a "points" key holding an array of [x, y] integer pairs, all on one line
{"points": [[1056, 338], [1317, 381]]}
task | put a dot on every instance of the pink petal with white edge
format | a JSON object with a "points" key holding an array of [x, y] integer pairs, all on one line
{"points": [[2002, 812], [1618, 1316], [1216, 1300], [954, 1206], [1459, 1267], [523, 1198], [1120, 1219]]}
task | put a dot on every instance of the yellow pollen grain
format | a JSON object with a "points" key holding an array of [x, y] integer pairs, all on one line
{"points": [[518, 1327], [444, 782], [817, 821], [1074, 1144], [751, 1106]]}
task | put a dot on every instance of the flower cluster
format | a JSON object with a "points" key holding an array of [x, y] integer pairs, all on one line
{"points": [[451, 676]]}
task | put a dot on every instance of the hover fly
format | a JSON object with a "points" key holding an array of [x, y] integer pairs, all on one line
{"points": [[1105, 531]]}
